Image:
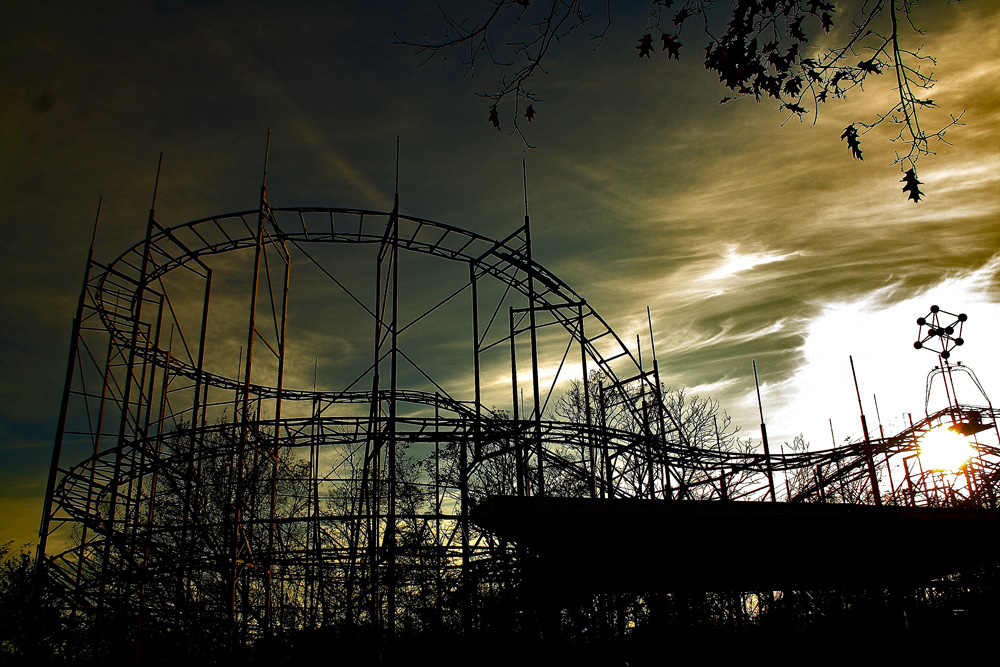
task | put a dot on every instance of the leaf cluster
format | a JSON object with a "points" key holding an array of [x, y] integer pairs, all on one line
{"points": [[796, 53]]}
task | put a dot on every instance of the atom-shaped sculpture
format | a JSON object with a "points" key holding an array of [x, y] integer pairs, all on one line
{"points": [[946, 336]]}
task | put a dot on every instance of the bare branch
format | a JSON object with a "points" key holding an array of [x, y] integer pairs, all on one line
{"points": [[765, 50]]}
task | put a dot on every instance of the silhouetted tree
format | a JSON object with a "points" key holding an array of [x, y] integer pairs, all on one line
{"points": [[32, 629], [764, 49], [695, 428]]}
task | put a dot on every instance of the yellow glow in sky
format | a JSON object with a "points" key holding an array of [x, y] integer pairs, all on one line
{"points": [[945, 450]]}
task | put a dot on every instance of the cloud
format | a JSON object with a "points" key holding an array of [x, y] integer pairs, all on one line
{"points": [[878, 329]]}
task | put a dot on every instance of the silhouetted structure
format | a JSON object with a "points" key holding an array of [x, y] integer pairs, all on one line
{"points": [[188, 501]]}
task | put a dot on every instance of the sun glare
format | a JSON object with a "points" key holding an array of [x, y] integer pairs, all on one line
{"points": [[945, 450]]}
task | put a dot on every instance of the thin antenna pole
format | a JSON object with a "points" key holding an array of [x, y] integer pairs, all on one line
{"points": [[397, 172], [756, 381], [881, 432], [652, 342], [861, 408], [763, 435], [156, 182], [524, 184], [267, 153], [878, 416], [93, 234]]}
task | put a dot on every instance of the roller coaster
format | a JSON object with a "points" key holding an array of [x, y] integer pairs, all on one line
{"points": [[200, 484]]}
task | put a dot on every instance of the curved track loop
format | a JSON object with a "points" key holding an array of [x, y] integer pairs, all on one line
{"points": [[194, 498]]}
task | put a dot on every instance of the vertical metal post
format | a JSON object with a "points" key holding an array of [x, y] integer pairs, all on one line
{"points": [[723, 493], [268, 620], [105, 391], [763, 435], [784, 474], [872, 477], [312, 541], [607, 489], [532, 327], [463, 461], [945, 376], [391, 517], [151, 505], [646, 431], [665, 463], [520, 461], [199, 405], [127, 392], [906, 468], [200, 370], [50, 485], [150, 362], [888, 468], [438, 546], [668, 492], [586, 404], [244, 431]]}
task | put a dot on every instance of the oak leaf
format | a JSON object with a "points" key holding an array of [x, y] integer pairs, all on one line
{"points": [[671, 46], [870, 66], [853, 142], [911, 185], [645, 45]]}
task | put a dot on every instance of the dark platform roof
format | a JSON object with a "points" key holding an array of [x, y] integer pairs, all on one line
{"points": [[594, 544]]}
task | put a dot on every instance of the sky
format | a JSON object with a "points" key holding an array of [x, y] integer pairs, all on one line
{"points": [[748, 237]]}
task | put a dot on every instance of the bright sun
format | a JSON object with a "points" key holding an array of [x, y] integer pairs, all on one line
{"points": [[944, 449]]}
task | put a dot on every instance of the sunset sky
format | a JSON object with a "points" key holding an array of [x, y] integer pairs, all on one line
{"points": [[747, 240]]}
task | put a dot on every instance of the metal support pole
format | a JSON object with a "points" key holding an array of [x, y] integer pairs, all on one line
{"points": [[520, 459], [467, 584], [592, 478], [236, 532], [668, 492], [127, 393], [198, 405], [98, 429], [646, 430], [888, 468], [393, 386], [152, 346], [268, 619], [607, 490], [151, 505], [532, 327], [763, 436], [43, 529], [872, 476]]}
